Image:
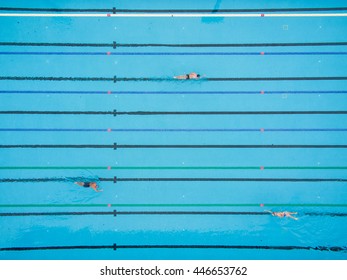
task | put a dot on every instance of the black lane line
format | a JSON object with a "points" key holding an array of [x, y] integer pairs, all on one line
{"points": [[24, 9], [232, 45], [249, 247], [115, 247], [155, 213], [275, 79], [57, 79], [322, 9], [54, 214], [115, 10], [46, 44], [228, 79], [150, 79], [116, 180], [121, 146], [124, 45], [81, 247], [125, 146], [145, 113], [88, 146], [58, 112]]}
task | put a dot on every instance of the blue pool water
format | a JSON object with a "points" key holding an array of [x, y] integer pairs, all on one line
{"points": [[65, 164]]}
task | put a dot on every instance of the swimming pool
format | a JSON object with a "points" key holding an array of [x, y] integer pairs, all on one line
{"points": [[187, 168]]}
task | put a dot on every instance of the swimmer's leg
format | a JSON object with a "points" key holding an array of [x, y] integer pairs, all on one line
{"points": [[294, 218]]}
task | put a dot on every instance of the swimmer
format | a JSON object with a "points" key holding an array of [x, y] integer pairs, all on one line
{"points": [[283, 214], [92, 185], [191, 76]]}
